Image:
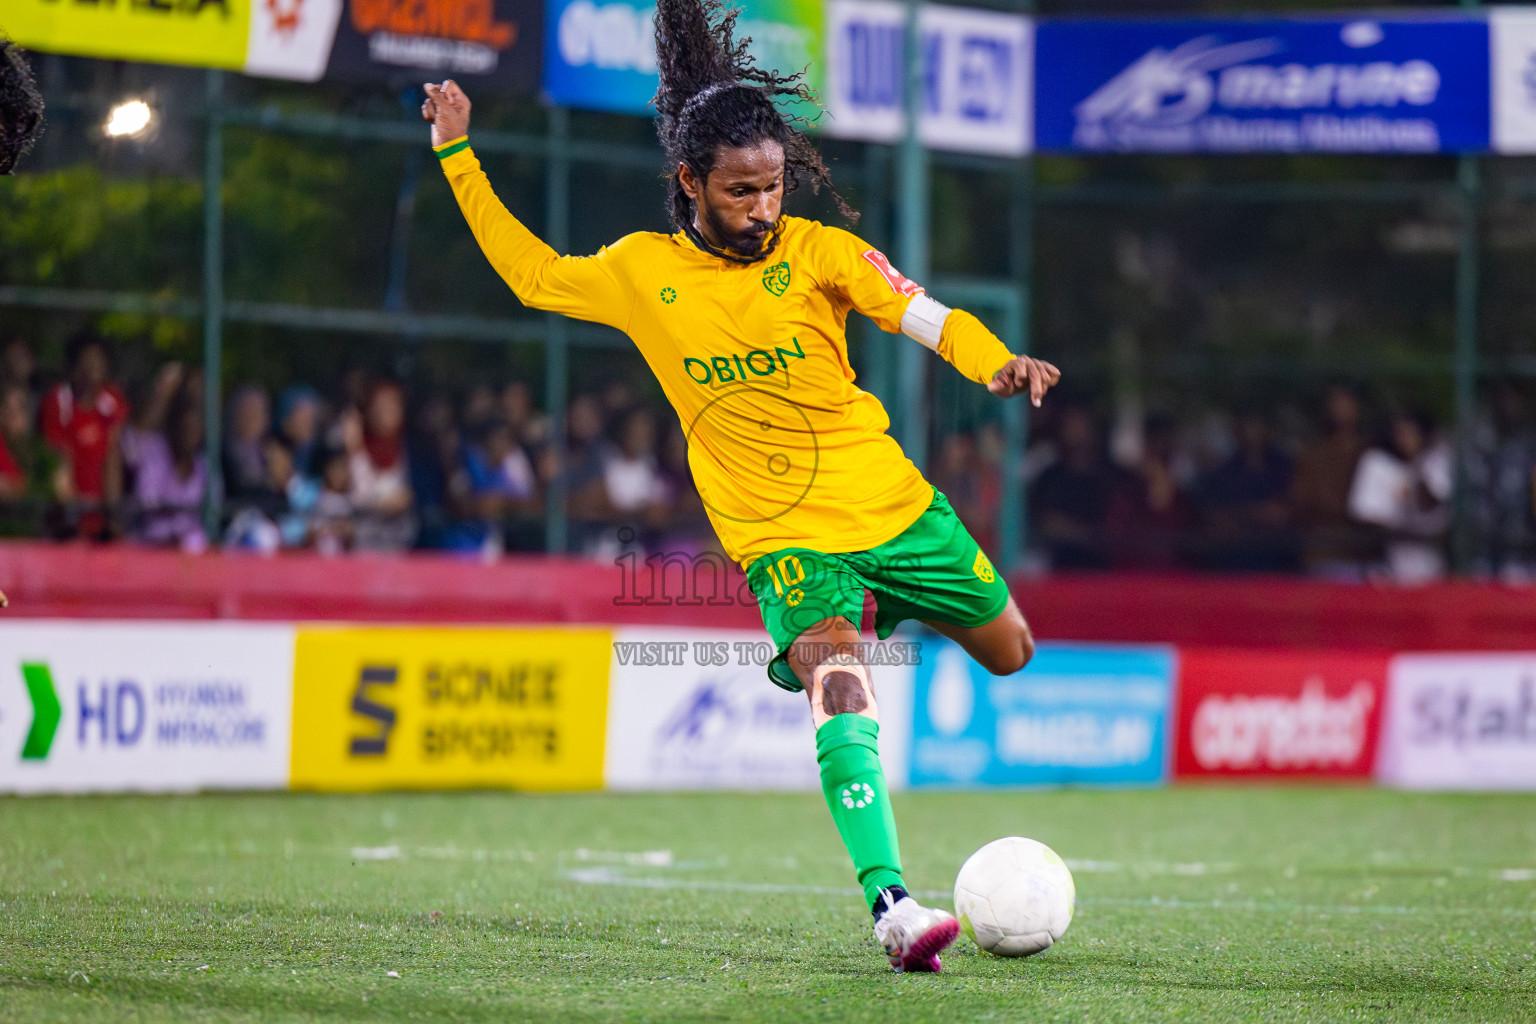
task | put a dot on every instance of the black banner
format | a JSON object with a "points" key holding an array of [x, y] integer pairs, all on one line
{"points": [[489, 44]]}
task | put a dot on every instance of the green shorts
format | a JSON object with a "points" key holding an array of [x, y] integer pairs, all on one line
{"points": [[932, 570]]}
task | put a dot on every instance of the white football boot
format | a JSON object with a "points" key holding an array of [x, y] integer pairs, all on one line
{"points": [[913, 935]]}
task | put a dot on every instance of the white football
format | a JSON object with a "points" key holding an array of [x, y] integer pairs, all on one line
{"points": [[1014, 897]]}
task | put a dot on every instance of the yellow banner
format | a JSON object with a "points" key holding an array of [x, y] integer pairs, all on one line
{"points": [[207, 33], [440, 708]]}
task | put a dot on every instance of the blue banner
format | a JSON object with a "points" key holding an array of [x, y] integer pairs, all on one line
{"points": [[1395, 85], [1077, 714]]}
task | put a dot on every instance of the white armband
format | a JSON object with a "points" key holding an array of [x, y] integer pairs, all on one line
{"points": [[924, 320]]}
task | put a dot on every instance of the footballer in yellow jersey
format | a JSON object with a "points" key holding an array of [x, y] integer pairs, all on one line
{"points": [[741, 313]]}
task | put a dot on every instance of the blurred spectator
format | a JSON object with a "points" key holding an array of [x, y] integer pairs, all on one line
{"points": [[631, 479], [505, 491], [439, 480], [83, 418], [33, 476], [1333, 546], [973, 487], [1243, 505], [1502, 482], [479, 409], [1151, 513], [1403, 489], [18, 366], [582, 471], [685, 527], [330, 524], [1072, 497], [245, 467], [298, 424], [300, 491], [529, 426], [381, 489], [170, 474]]}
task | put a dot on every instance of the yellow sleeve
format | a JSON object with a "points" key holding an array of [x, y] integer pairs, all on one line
{"points": [[585, 287], [969, 347], [868, 282], [864, 278]]}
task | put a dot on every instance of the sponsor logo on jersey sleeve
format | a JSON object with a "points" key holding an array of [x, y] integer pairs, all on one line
{"points": [[899, 284]]}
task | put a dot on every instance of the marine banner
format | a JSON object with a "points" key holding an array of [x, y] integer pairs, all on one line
{"points": [[1358, 84], [422, 708]]}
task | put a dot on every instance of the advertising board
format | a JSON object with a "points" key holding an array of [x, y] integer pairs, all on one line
{"points": [[1278, 713], [1460, 721], [977, 76], [601, 54], [694, 709], [482, 44], [160, 707], [1361, 84], [1094, 714], [423, 708]]}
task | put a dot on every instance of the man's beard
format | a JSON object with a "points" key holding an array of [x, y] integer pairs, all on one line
{"points": [[745, 243]]}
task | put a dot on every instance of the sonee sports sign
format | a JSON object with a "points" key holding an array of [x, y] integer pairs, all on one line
{"points": [[435, 708]]}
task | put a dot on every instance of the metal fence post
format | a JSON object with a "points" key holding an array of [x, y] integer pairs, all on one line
{"points": [[557, 226], [912, 235], [213, 305], [1464, 363], [1013, 532]]}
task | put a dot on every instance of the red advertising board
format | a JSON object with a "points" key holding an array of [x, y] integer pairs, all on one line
{"points": [[1278, 713]]}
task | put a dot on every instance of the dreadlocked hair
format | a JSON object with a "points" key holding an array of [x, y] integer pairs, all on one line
{"points": [[713, 95], [21, 106]]}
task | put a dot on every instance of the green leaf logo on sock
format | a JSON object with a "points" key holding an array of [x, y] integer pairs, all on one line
{"points": [[858, 795]]}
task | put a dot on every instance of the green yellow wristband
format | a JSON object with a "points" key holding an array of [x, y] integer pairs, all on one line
{"points": [[448, 150]]}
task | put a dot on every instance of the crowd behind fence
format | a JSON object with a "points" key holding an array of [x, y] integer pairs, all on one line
{"points": [[1347, 489]]}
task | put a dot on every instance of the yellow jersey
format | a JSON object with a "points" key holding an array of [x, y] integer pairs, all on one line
{"points": [[785, 448]]}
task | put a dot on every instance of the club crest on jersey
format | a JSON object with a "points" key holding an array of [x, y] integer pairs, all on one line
{"points": [[982, 567], [893, 277], [776, 278]]}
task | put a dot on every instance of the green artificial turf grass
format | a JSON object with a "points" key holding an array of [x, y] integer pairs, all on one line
{"points": [[1194, 903]]}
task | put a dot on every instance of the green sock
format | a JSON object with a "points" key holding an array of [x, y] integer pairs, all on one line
{"points": [[854, 785]]}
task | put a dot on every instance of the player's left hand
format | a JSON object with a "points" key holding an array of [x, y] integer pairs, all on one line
{"points": [[1023, 373]]}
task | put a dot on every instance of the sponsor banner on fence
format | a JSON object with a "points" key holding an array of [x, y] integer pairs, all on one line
{"points": [[1460, 721], [1077, 714], [1276, 713], [275, 38], [1512, 55], [601, 54], [1365, 85], [695, 709], [441, 708], [977, 76], [483, 44], [101, 706]]}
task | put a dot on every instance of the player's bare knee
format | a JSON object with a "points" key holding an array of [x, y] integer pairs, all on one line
{"points": [[841, 685]]}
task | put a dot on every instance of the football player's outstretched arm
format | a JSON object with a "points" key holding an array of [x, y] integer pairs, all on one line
{"points": [[588, 287], [880, 292]]}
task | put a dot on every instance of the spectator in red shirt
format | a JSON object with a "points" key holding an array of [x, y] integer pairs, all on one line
{"points": [[82, 418]]}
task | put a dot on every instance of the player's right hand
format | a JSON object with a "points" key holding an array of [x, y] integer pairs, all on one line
{"points": [[446, 108]]}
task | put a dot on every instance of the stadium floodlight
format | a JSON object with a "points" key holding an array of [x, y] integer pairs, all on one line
{"points": [[129, 118]]}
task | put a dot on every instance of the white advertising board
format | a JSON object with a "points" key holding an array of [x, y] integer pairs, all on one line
{"points": [[694, 709], [1512, 57], [1460, 721], [148, 706], [977, 76]]}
